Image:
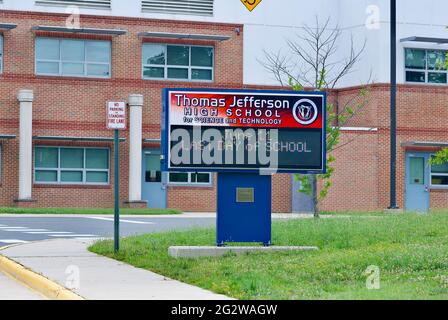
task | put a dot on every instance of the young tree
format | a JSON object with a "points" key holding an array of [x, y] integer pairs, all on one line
{"points": [[314, 62], [440, 157]]}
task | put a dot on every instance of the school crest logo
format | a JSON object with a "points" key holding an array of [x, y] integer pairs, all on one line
{"points": [[305, 112], [251, 4]]}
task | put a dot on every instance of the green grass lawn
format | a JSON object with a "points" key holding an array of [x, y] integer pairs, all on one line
{"points": [[100, 211], [410, 250]]}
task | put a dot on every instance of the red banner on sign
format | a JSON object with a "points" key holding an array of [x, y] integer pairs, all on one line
{"points": [[242, 110]]}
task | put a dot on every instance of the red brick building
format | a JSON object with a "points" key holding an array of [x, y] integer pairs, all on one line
{"points": [[56, 150], [362, 167], [69, 111]]}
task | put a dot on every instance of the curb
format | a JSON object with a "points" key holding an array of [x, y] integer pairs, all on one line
{"points": [[35, 281]]}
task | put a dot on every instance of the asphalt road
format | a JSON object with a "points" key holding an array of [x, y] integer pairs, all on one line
{"points": [[19, 229]]}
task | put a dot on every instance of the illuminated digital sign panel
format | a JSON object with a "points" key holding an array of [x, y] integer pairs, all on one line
{"points": [[236, 130]]}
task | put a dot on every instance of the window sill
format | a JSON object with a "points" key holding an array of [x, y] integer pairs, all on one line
{"points": [[426, 84], [46, 76], [178, 81], [190, 186], [439, 189], [71, 186]]}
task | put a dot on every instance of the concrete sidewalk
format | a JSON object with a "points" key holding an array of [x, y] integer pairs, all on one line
{"points": [[12, 290], [68, 263]]}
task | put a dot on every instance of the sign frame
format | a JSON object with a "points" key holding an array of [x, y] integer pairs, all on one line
{"points": [[165, 145], [108, 103]]}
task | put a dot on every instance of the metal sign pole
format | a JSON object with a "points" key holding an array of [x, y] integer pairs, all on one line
{"points": [[393, 105], [117, 191], [116, 120]]}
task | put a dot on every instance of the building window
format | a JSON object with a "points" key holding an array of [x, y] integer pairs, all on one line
{"points": [[190, 178], [152, 168], [178, 62], [439, 175], [74, 58], [66, 165], [426, 66], [1, 53]]}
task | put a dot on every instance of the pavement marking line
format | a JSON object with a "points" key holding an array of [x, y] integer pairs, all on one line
{"points": [[121, 220], [12, 241], [22, 230], [49, 232], [72, 235], [35, 281], [13, 228]]}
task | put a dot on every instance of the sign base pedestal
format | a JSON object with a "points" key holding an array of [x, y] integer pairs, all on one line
{"points": [[244, 208]]}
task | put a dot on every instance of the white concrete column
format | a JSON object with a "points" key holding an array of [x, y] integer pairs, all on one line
{"points": [[25, 98], [135, 147]]}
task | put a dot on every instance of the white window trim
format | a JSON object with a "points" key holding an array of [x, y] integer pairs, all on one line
{"points": [[189, 67], [431, 174], [85, 62], [426, 70], [189, 183], [84, 170]]}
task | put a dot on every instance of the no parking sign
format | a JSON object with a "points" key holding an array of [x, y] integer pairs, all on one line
{"points": [[116, 115]]}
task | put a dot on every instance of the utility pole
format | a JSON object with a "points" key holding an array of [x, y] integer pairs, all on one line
{"points": [[393, 105]]}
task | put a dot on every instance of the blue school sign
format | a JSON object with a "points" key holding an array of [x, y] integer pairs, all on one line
{"points": [[244, 136]]}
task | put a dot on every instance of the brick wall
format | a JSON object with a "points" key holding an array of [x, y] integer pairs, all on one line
{"points": [[193, 199], [361, 178], [281, 193], [439, 199], [9, 179], [355, 181], [76, 106]]}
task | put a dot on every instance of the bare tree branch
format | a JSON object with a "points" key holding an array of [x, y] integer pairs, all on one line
{"points": [[315, 51], [313, 61]]}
